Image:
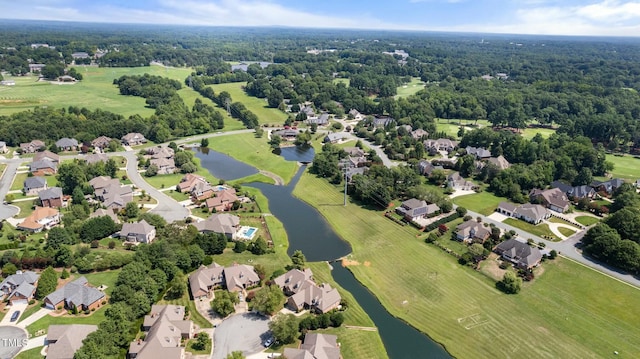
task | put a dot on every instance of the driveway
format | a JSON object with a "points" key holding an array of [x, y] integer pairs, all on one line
{"points": [[243, 332], [35, 316], [7, 211], [35, 342], [13, 308]]}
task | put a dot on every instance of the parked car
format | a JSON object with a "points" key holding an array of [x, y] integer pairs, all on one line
{"points": [[267, 342], [15, 315]]}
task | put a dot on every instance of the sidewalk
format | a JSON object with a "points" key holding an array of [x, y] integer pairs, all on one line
{"points": [[34, 317]]}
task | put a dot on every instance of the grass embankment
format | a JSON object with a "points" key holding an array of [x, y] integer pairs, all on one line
{"points": [[539, 230], [256, 105], [587, 220], [254, 151], [625, 167], [461, 308], [484, 203]]}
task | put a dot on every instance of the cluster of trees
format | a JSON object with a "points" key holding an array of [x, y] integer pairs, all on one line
{"points": [[223, 99], [287, 327]]}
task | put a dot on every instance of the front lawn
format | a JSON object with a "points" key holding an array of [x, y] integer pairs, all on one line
{"points": [[30, 354], [107, 278], [566, 231], [26, 208], [484, 203], [43, 323], [539, 230], [18, 181], [587, 220]]}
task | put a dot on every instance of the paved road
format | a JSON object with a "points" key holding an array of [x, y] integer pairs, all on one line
{"points": [[7, 211], [379, 151], [566, 248]]}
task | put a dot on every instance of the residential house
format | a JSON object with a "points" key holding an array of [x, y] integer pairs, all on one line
{"points": [[111, 193], [575, 193], [47, 155], [356, 115], [105, 212], [165, 165], [499, 162], [96, 157], [133, 139], [32, 147], [223, 200], [203, 281], [161, 152], [458, 182], [101, 142], [521, 254], [244, 66], [3, 147], [33, 185], [67, 144], [41, 218], [413, 209], [554, 199], [335, 137], [189, 181], [139, 232], [426, 168], [480, 152], [609, 186], [321, 120], [354, 151], [222, 223], [101, 182], [166, 328], [77, 294], [445, 162], [441, 144], [317, 298], [20, 286], [507, 208], [315, 346], [52, 197], [419, 134], [286, 134], [532, 213], [36, 67], [292, 281], [80, 55], [309, 111], [472, 231], [43, 168], [239, 277], [201, 191], [382, 121], [64, 340]]}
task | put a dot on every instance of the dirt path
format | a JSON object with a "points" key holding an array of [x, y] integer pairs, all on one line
{"points": [[367, 329], [279, 181]]}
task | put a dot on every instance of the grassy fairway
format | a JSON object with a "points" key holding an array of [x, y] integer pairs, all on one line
{"points": [[451, 127], [254, 104], [587, 220], [484, 202], [254, 151], [411, 88], [530, 133], [625, 167], [564, 313]]}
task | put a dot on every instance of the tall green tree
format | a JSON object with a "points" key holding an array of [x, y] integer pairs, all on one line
{"points": [[284, 328], [47, 283], [268, 300]]}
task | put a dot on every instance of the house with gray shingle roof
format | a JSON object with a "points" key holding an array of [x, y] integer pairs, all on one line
{"points": [[96, 157], [19, 286], [52, 197], [140, 232], [554, 199], [335, 137], [291, 282], [317, 298], [166, 328], [76, 294], [222, 223], [315, 346], [532, 213], [65, 340], [67, 144], [47, 155], [43, 167], [413, 209], [479, 152], [472, 231], [133, 139], [521, 254], [3, 147], [33, 185]]}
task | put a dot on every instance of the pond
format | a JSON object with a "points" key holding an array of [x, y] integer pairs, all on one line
{"points": [[304, 154], [223, 166]]}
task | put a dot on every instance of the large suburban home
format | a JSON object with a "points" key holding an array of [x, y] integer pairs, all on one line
{"points": [[189, 181], [47, 155], [133, 139], [41, 218], [472, 231], [32, 147], [222, 223], [96, 158], [335, 137], [356, 114], [201, 191], [100, 212], [521, 254], [165, 166], [354, 152], [575, 192], [223, 200], [203, 281], [441, 144], [532, 213], [413, 209], [286, 134], [64, 340], [317, 298], [43, 168], [291, 282], [609, 186], [426, 168], [52, 197], [315, 346], [456, 181], [33, 185], [239, 277], [138, 232], [419, 134], [382, 121], [554, 199], [101, 182], [481, 153], [500, 162], [321, 120], [160, 152], [67, 144], [77, 294], [19, 287], [101, 142], [111, 193], [166, 329]]}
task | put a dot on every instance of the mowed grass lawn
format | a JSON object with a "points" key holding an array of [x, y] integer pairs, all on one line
{"points": [[451, 127], [587, 220], [43, 323], [530, 133], [626, 167], [256, 105], [411, 88], [245, 147], [539, 230], [568, 312], [484, 202]]}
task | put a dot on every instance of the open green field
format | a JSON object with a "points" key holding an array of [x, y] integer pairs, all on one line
{"points": [[484, 202], [96, 90], [539, 230], [451, 127], [256, 105], [411, 88], [43, 323], [625, 167], [254, 151], [530, 133], [562, 313], [587, 220]]}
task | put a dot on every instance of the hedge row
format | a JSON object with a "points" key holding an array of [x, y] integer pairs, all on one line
{"points": [[444, 220]]}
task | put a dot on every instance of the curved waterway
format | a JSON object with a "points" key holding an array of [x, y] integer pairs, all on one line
{"points": [[308, 231]]}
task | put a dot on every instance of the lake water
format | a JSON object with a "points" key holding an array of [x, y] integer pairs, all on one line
{"points": [[223, 166], [304, 154]]}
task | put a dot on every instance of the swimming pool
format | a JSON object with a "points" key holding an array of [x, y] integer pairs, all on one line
{"points": [[246, 232]]}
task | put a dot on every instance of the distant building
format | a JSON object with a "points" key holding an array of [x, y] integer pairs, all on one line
{"points": [[101, 142], [472, 231], [67, 144], [133, 139], [32, 147]]}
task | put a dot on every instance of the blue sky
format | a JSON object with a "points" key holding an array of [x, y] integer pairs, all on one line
{"points": [[557, 17]]}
